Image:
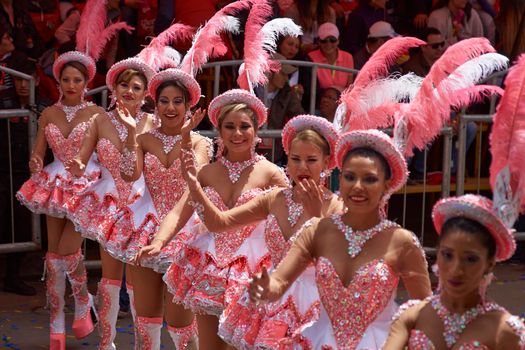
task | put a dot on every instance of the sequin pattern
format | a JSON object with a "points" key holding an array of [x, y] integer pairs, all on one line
{"points": [[353, 308], [226, 244], [109, 156], [277, 245], [165, 185], [65, 148], [419, 341]]}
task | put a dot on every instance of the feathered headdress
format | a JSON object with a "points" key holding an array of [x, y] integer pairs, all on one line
{"points": [[259, 44], [207, 43], [154, 57], [91, 38]]}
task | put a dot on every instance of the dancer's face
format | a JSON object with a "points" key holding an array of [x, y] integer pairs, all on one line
{"points": [[306, 161], [362, 184], [462, 261], [131, 93], [171, 107], [237, 132], [72, 83]]}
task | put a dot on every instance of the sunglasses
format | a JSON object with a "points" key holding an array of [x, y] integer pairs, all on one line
{"points": [[437, 45], [330, 39]]}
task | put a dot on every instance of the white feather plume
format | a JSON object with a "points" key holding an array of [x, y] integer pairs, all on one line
{"points": [[275, 28]]}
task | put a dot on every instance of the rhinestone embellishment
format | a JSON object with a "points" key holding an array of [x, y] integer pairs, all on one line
{"points": [[357, 239], [71, 111], [454, 324], [168, 141], [295, 210], [121, 129], [235, 169]]}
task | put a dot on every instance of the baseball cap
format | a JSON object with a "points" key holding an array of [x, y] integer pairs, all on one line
{"points": [[285, 68], [328, 29], [381, 29]]}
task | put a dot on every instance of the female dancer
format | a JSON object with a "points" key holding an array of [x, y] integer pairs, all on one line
{"points": [[475, 233], [128, 81], [309, 142], [62, 126]]}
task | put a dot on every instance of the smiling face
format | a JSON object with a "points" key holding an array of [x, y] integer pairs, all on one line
{"points": [[171, 107], [72, 83], [306, 160], [237, 131], [362, 184], [130, 91]]}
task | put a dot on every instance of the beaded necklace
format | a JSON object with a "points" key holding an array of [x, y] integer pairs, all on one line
{"points": [[235, 169], [168, 141], [453, 323], [122, 130], [295, 210], [357, 239], [71, 111]]}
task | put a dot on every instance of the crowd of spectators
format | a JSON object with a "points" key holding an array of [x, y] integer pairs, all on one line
{"points": [[343, 33]]}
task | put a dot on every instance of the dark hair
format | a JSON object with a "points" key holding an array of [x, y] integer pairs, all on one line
{"points": [[324, 91], [429, 31], [3, 30], [174, 83], [370, 153], [128, 74], [470, 227], [22, 63], [78, 66], [306, 17]]}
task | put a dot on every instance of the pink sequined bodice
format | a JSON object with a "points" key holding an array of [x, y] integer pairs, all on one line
{"points": [[419, 341], [65, 148], [227, 243], [278, 246], [165, 185], [351, 309], [109, 156]]}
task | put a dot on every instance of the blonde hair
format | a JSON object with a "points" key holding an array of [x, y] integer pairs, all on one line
{"points": [[237, 107], [314, 137]]}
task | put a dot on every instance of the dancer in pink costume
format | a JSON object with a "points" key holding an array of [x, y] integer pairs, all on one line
{"points": [[309, 142], [208, 266], [157, 154], [50, 188], [94, 209], [475, 233]]}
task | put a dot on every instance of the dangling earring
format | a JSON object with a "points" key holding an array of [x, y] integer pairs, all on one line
{"points": [[61, 93], [113, 100], [383, 203], [82, 95], [256, 141], [435, 270], [324, 175], [485, 282]]}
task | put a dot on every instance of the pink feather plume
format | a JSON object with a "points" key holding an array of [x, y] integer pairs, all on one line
{"points": [[256, 59], [92, 34], [154, 54], [207, 42], [507, 139]]}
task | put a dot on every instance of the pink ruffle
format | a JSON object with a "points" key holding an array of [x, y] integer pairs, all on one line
{"points": [[50, 195]]}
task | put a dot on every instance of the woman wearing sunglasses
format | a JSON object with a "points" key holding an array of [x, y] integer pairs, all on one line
{"points": [[329, 53]]}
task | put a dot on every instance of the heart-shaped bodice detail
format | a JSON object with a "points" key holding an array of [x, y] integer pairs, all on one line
{"points": [[65, 148], [110, 156], [227, 243], [353, 308], [165, 185]]}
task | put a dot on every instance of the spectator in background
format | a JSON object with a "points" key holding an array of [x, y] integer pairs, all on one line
{"points": [[289, 47], [329, 53], [282, 102], [329, 101], [18, 132], [510, 24], [310, 14], [15, 18], [71, 20], [359, 22], [379, 33], [486, 15], [7, 91], [420, 62], [412, 15], [456, 20]]}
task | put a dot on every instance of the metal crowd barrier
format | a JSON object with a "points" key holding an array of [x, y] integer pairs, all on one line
{"points": [[7, 114]]}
